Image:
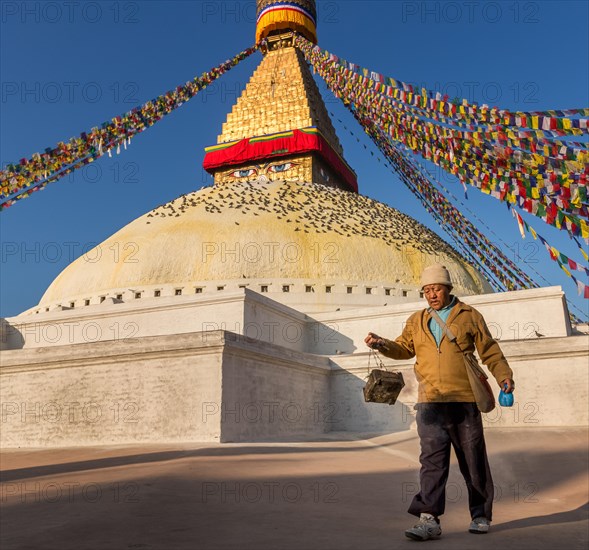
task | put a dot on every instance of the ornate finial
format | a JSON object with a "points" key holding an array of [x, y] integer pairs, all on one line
{"points": [[276, 17]]}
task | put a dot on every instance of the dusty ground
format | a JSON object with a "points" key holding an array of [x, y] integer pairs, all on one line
{"points": [[337, 493]]}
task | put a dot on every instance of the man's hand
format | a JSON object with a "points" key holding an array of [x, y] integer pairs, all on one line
{"points": [[373, 341], [510, 385]]}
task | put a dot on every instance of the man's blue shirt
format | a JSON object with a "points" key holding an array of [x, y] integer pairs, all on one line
{"points": [[436, 329]]}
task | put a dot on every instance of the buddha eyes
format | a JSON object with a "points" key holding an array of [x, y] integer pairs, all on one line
{"points": [[276, 168], [252, 172], [244, 173]]}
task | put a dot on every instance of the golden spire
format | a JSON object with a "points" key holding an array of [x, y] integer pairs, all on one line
{"points": [[280, 129]]}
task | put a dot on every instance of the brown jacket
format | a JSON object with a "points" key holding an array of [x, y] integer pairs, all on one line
{"points": [[440, 372]]}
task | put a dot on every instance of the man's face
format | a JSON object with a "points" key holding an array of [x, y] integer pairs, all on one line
{"points": [[437, 296]]}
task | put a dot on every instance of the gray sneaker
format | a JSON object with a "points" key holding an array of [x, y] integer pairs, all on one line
{"points": [[479, 526], [426, 528]]}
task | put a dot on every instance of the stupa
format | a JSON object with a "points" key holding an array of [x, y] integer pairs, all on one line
{"points": [[238, 312], [283, 217]]}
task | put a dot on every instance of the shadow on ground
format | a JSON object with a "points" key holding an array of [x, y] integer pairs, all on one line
{"points": [[345, 495]]}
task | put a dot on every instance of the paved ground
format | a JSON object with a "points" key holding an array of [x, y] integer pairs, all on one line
{"points": [[337, 493]]}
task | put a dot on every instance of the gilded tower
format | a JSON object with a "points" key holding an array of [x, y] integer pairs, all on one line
{"points": [[279, 127]]}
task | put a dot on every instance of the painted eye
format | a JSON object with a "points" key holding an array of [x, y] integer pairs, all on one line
{"points": [[244, 173], [277, 168]]}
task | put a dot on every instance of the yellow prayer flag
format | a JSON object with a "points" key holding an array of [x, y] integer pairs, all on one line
{"points": [[535, 122]]}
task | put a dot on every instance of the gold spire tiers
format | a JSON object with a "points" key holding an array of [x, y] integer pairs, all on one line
{"points": [[280, 129]]}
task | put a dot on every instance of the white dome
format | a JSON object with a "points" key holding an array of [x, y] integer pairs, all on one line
{"points": [[274, 231]]}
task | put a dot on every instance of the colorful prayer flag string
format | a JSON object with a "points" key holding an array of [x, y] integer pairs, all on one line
{"points": [[563, 261], [500, 271], [18, 181], [513, 157], [461, 108]]}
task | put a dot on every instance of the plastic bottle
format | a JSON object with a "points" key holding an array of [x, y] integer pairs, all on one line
{"points": [[505, 399]]}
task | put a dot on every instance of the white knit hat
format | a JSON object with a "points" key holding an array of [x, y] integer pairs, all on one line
{"points": [[435, 275]]}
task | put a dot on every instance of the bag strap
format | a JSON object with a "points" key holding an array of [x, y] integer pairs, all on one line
{"points": [[377, 360], [475, 365], [444, 326]]}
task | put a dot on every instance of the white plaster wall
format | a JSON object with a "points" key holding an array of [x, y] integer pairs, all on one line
{"points": [[125, 321], [147, 390], [524, 314], [248, 314], [211, 386], [164, 383], [216, 387], [243, 312], [269, 321], [273, 394], [552, 383]]}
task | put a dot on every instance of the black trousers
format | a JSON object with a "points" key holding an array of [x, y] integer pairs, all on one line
{"points": [[439, 426]]}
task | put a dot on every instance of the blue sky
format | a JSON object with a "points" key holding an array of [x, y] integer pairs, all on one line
{"points": [[68, 66]]}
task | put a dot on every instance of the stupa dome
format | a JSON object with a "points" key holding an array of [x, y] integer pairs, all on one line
{"points": [[262, 233]]}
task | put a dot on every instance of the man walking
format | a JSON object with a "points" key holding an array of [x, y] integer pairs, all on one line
{"points": [[447, 415]]}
